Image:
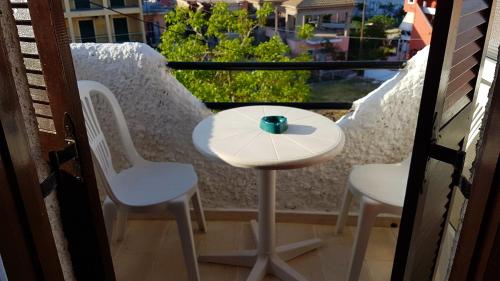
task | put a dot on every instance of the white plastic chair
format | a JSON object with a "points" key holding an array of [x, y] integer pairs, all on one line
{"points": [[381, 189], [145, 183]]}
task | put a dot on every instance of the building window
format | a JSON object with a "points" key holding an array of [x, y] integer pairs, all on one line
{"points": [[121, 30], [87, 31]]}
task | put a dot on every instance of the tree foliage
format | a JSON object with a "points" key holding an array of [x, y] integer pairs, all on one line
{"points": [[375, 45], [378, 25], [222, 35]]}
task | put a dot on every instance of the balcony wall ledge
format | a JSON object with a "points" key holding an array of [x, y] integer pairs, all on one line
{"points": [[161, 114]]}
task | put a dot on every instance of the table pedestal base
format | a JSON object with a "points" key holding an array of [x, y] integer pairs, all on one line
{"points": [[266, 258]]}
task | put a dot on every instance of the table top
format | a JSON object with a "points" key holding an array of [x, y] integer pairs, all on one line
{"points": [[234, 137]]}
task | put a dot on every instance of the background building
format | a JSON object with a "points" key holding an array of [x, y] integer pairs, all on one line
{"points": [[417, 25], [104, 21], [154, 19], [379, 7], [331, 19]]}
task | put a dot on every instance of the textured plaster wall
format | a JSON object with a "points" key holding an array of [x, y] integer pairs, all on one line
{"points": [[161, 115], [11, 40]]}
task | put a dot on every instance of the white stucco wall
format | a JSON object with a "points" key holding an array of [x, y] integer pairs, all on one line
{"points": [[161, 115]]}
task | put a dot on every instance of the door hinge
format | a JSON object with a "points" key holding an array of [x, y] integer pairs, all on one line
{"points": [[59, 157], [56, 160], [456, 158]]}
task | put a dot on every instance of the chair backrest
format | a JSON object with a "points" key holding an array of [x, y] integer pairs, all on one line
{"points": [[97, 140]]}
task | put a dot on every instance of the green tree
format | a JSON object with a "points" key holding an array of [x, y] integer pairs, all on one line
{"points": [[377, 26], [222, 35], [305, 31], [375, 44]]}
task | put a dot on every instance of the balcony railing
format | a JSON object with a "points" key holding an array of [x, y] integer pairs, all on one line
{"points": [[128, 37], [118, 38], [285, 66], [93, 39]]}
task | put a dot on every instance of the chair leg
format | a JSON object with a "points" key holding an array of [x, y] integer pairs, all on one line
{"points": [[180, 209], [344, 211], [198, 209], [109, 213], [121, 223], [369, 210]]}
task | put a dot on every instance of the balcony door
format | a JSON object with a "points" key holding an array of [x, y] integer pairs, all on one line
{"points": [[87, 31], [27, 244], [438, 167], [121, 30]]}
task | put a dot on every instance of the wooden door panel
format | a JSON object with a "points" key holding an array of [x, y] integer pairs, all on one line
{"points": [[49, 69], [451, 81], [57, 66], [477, 256], [436, 196]]}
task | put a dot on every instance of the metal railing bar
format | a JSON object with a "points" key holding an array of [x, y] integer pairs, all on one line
{"points": [[302, 105], [337, 65]]}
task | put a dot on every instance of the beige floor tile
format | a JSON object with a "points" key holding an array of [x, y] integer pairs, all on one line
{"points": [[143, 236], [169, 262], [381, 246], [309, 264], [151, 251], [246, 242], [380, 270], [395, 233], [336, 253], [133, 266], [222, 236]]}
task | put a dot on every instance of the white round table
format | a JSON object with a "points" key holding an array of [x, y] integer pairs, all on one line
{"points": [[234, 137]]}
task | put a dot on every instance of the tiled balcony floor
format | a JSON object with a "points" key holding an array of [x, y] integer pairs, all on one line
{"points": [[151, 251]]}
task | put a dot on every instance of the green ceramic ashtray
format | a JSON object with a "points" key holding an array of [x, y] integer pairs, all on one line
{"points": [[274, 124]]}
